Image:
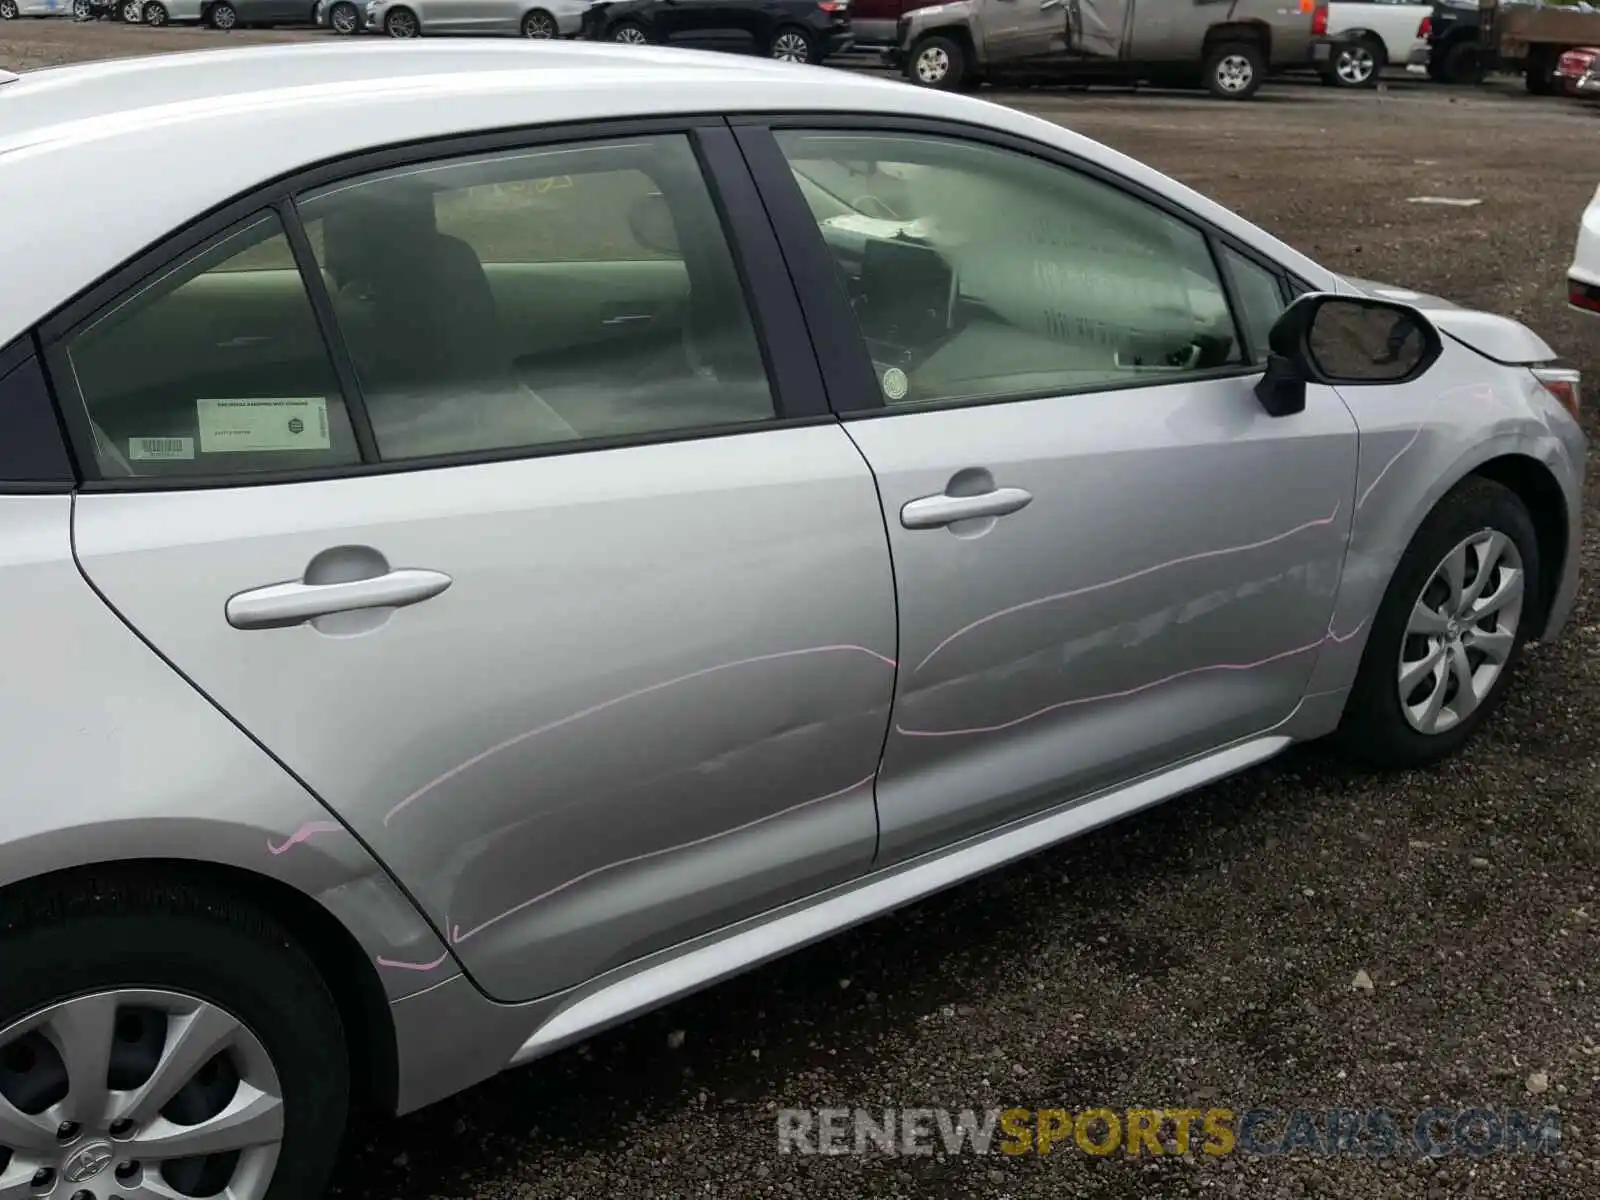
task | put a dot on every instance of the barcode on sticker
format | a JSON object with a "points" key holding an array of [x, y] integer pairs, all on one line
{"points": [[148, 449]]}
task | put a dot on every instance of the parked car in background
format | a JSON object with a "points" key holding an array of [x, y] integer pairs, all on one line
{"points": [[803, 31], [11, 10], [1454, 48], [1229, 48], [342, 16], [874, 22], [541, 19], [1583, 277], [1578, 71], [1368, 35], [228, 14]]}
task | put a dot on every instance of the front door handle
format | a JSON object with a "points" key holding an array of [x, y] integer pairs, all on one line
{"points": [[933, 512], [284, 604]]}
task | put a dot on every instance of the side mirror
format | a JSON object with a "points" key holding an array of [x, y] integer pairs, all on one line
{"points": [[1345, 341]]}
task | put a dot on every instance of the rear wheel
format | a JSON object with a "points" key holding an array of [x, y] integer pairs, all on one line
{"points": [[1450, 631], [9, 10], [937, 62], [155, 14], [162, 1041], [1460, 64], [539, 25], [1537, 75], [344, 19], [223, 15], [82, 10], [1235, 70], [1357, 65], [401, 23], [132, 12], [792, 44]]}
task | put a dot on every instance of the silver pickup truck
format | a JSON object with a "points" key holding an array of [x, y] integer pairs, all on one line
{"points": [[1228, 46]]}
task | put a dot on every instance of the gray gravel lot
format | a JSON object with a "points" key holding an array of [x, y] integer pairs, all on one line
{"points": [[1202, 954]]}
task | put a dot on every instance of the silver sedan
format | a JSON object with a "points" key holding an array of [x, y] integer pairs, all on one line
{"points": [[507, 18]]}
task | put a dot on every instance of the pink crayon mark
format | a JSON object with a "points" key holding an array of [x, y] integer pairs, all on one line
{"points": [[457, 936], [1320, 522], [605, 704], [309, 830], [412, 966], [1133, 691]]}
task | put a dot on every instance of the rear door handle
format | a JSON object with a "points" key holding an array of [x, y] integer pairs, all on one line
{"points": [[283, 604], [933, 512]]}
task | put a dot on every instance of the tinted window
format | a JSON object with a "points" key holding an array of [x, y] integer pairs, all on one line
{"points": [[537, 297], [977, 272], [1260, 300], [215, 367]]}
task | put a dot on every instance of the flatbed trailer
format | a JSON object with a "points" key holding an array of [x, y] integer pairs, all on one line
{"points": [[1530, 39]]}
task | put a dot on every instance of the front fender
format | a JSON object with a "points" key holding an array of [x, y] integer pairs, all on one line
{"points": [[1416, 444], [111, 756]]}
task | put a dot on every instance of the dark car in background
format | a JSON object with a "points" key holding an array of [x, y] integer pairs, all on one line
{"points": [[806, 31]]}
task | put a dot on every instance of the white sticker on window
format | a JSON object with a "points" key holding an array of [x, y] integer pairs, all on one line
{"points": [[895, 384], [155, 449], [263, 423]]}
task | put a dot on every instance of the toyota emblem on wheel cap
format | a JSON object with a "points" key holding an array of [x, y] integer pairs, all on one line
{"points": [[88, 1162]]}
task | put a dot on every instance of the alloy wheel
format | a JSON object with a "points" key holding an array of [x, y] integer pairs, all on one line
{"points": [[539, 26], [791, 47], [401, 24], [8, 10], [223, 16], [1461, 632], [344, 19], [630, 35], [1355, 65], [138, 1094], [1234, 73], [932, 65], [81, 10]]}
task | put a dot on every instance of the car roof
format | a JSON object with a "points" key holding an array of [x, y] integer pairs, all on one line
{"points": [[99, 161]]}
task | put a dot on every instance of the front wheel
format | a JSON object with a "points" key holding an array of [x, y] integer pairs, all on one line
{"points": [[9, 10], [937, 62], [1451, 628], [157, 1040], [629, 34], [401, 23], [1357, 65], [82, 10], [539, 25], [344, 19], [223, 16], [1235, 70], [131, 12], [155, 14]]}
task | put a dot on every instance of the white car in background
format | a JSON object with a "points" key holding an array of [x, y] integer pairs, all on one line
{"points": [[1583, 277], [1369, 35], [486, 18]]}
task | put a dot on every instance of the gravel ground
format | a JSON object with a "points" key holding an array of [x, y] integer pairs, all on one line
{"points": [[1202, 954]]}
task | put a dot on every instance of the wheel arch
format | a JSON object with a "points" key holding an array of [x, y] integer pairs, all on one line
{"points": [[957, 32], [1532, 482], [334, 950], [1239, 31]]}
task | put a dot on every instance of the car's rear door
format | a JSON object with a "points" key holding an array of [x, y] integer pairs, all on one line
{"points": [[593, 642], [1109, 558]]}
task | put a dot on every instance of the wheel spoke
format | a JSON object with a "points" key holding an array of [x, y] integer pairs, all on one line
{"points": [[1489, 552], [25, 1134], [1425, 620], [253, 1119], [192, 1041], [1435, 703], [1466, 697], [16, 1181], [83, 1031], [1496, 646], [1509, 591], [1411, 674], [1454, 570]]}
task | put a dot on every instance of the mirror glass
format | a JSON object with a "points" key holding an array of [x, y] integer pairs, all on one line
{"points": [[650, 220], [1365, 341]]}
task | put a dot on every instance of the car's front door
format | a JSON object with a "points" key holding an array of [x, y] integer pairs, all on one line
{"points": [[1108, 557], [551, 577], [1023, 30]]}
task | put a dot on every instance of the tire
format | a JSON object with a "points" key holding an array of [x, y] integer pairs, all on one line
{"points": [[155, 14], [1376, 727], [9, 10], [402, 23], [223, 16], [790, 43], [344, 19], [629, 33], [1234, 70], [82, 10], [1357, 65], [128, 954], [937, 62], [1536, 75], [1460, 65], [132, 12], [539, 25]]}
